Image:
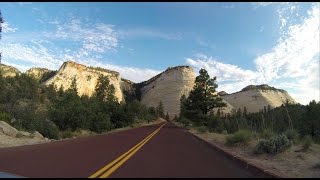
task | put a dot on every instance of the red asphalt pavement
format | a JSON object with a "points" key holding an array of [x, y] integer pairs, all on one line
{"points": [[172, 152]]}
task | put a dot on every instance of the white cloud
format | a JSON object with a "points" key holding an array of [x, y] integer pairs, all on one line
{"points": [[143, 32], [261, 29], [292, 64], [7, 29], [34, 55], [131, 73], [230, 6]]}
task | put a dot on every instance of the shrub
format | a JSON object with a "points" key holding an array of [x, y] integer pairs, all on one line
{"points": [[67, 134], [185, 121], [291, 134], [202, 129], [48, 129], [240, 137], [273, 145], [307, 142], [266, 134]]}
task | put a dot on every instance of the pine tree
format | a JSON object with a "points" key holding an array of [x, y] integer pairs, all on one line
{"points": [[245, 112], [73, 87], [167, 117], [204, 96], [160, 110], [105, 90]]}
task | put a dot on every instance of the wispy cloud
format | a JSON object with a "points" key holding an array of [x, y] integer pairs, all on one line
{"points": [[7, 29], [293, 63], [91, 42], [134, 74], [149, 33], [229, 6]]}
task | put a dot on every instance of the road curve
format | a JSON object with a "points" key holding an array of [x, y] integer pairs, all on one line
{"points": [[169, 151]]}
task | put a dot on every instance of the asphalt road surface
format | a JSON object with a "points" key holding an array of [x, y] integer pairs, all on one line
{"points": [[162, 150]]}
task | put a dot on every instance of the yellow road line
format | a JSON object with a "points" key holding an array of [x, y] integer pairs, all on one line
{"points": [[96, 174], [115, 167]]}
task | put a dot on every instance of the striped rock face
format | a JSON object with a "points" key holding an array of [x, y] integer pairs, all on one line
{"points": [[168, 87]]}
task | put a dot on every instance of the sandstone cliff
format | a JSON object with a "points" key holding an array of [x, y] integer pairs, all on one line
{"points": [[86, 77], [168, 87], [37, 72], [255, 98], [8, 71]]}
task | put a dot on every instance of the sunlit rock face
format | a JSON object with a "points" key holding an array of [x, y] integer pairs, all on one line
{"points": [[37, 72], [86, 78], [255, 98], [168, 87], [8, 71]]}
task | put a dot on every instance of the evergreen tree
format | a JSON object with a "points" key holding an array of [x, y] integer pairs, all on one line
{"points": [[245, 112], [73, 87], [105, 90], [160, 110], [204, 96], [167, 117]]}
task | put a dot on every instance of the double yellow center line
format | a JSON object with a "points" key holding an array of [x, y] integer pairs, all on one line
{"points": [[107, 170]]}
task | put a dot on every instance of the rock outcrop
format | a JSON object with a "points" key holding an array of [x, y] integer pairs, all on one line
{"points": [[86, 78], [168, 87], [38, 73], [255, 98], [8, 130], [8, 71]]}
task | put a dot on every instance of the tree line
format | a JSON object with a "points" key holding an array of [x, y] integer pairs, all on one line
{"points": [[197, 110], [28, 105]]}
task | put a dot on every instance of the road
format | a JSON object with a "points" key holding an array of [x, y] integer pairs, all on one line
{"points": [[162, 150]]}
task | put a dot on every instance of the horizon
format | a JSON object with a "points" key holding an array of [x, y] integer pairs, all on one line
{"points": [[252, 44]]}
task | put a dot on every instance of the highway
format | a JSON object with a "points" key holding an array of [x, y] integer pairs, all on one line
{"points": [[155, 151]]}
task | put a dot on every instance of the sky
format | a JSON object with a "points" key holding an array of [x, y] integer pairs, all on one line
{"points": [[239, 43]]}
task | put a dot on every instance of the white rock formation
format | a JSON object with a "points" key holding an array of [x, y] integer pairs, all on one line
{"points": [[8, 71], [37, 72], [168, 87], [87, 78], [256, 99]]}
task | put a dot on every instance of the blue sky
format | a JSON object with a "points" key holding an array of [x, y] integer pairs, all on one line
{"points": [[240, 43]]}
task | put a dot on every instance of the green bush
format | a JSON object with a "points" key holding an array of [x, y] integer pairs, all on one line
{"points": [[48, 129], [202, 129], [5, 117], [273, 145], [292, 134], [266, 134], [66, 134], [185, 121], [307, 142], [240, 137]]}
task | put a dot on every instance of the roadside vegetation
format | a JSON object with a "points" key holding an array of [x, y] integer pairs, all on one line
{"points": [[274, 130], [28, 105]]}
